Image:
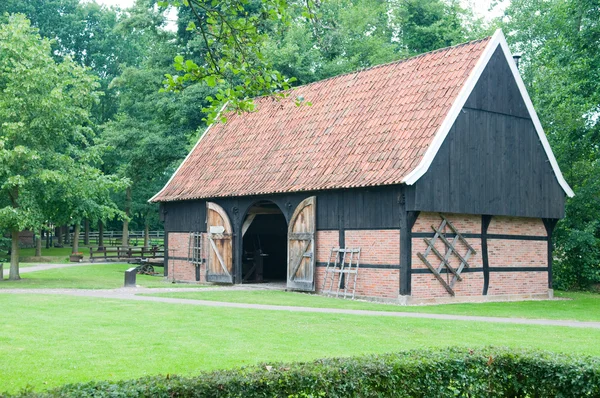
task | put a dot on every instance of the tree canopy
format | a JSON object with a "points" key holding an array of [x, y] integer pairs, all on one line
{"points": [[561, 67], [46, 136]]}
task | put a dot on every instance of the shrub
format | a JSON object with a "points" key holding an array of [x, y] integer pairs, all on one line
{"points": [[454, 372]]}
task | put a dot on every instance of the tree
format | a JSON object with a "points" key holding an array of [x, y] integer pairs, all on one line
{"points": [[561, 68], [326, 39], [46, 131], [150, 134], [89, 34], [233, 33]]}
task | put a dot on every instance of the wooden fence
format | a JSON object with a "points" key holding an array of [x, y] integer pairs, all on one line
{"points": [[114, 238], [126, 253]]}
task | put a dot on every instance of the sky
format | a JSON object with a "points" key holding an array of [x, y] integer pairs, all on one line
{"points": [[480, 7]]}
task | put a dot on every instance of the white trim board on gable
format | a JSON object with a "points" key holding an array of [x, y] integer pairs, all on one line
{"points": [[498, 39]]}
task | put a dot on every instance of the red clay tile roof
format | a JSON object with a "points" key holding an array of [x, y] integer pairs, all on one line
{"points": [[366, 128]]}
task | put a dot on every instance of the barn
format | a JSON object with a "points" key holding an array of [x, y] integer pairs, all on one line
{"points": [[428, 179]]}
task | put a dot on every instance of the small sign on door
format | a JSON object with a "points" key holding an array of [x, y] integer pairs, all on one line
{"points": [[216, 229]]}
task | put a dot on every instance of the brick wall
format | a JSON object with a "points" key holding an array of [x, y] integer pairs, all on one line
{"points": [[378, 248], [517, 226], [179, 268], [510, 253], [325, 240], [426, 285], [502, 253]]}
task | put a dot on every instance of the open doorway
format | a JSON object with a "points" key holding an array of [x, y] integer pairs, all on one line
{"points": [[264, 251]]}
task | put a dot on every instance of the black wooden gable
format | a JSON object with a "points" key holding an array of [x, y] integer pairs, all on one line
{"points": [[492, 160]]}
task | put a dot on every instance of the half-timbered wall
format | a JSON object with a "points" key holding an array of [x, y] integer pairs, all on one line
{"points": [[179, 266], [518, 256], [370, 218], [492, 161], [513, 256], [424, 284]]}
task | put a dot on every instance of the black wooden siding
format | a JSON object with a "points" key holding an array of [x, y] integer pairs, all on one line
{"points": [[185, 216], [360, 208], [492, 161]]}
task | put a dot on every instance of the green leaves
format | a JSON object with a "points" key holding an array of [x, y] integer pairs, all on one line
{"points": [[232, 36], [449, 372], [560, 65], [48, 165]]}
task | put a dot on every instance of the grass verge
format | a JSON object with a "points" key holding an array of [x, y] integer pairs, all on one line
{"points": [[51, 340], [95, 276], [577, 306]]}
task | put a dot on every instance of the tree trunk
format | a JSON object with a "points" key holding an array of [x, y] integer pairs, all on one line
{"points": [[14, 257], [86, 232], [67, 232], [100, 234], [125, 240], [59, 236], [48, 234], [146, 232], [38, 245], [76, 238]]}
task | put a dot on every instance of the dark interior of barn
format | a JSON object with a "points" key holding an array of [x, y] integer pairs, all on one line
{"points": [[264, 256]]}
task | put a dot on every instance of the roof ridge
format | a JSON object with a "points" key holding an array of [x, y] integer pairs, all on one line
{"points": [[398, 61]]}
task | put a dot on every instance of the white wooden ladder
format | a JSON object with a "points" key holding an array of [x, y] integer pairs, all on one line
{"points": [[344, 263]]}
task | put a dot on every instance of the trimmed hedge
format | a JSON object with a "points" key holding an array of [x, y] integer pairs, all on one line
{"points": [[454, 372]]}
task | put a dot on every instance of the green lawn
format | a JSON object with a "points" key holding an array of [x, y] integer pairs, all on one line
{"points": [[49, 340], [95, 276], [579, 306], [61, 254]]}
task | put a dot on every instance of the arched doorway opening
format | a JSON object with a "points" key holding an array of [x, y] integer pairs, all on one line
{"points": [[264, 244]]}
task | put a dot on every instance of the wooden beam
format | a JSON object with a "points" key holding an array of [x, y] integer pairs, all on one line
{"points": [[443, 238], [435, 273], [301, 236], [297, 266], [459, 234], [444, 260]]}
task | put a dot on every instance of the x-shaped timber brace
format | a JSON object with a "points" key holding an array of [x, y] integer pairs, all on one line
{"points": [[445, 258]]}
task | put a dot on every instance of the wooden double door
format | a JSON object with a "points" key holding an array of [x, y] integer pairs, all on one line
{"points": [[301, 236]]}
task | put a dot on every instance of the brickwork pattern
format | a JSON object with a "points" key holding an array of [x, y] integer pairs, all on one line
{"points": [[426, 285], [517, 253], [325, 240], [501, 253], [379, 247], [371, 282], [179, 269], [507, 253], [518, 283], [517, 226], [464, 223]]}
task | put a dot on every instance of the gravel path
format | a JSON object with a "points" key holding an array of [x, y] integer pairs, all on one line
{"points": [[133, 294], [44, 267]]}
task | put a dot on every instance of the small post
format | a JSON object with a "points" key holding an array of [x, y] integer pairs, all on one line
{"points": [[130, 277]]}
